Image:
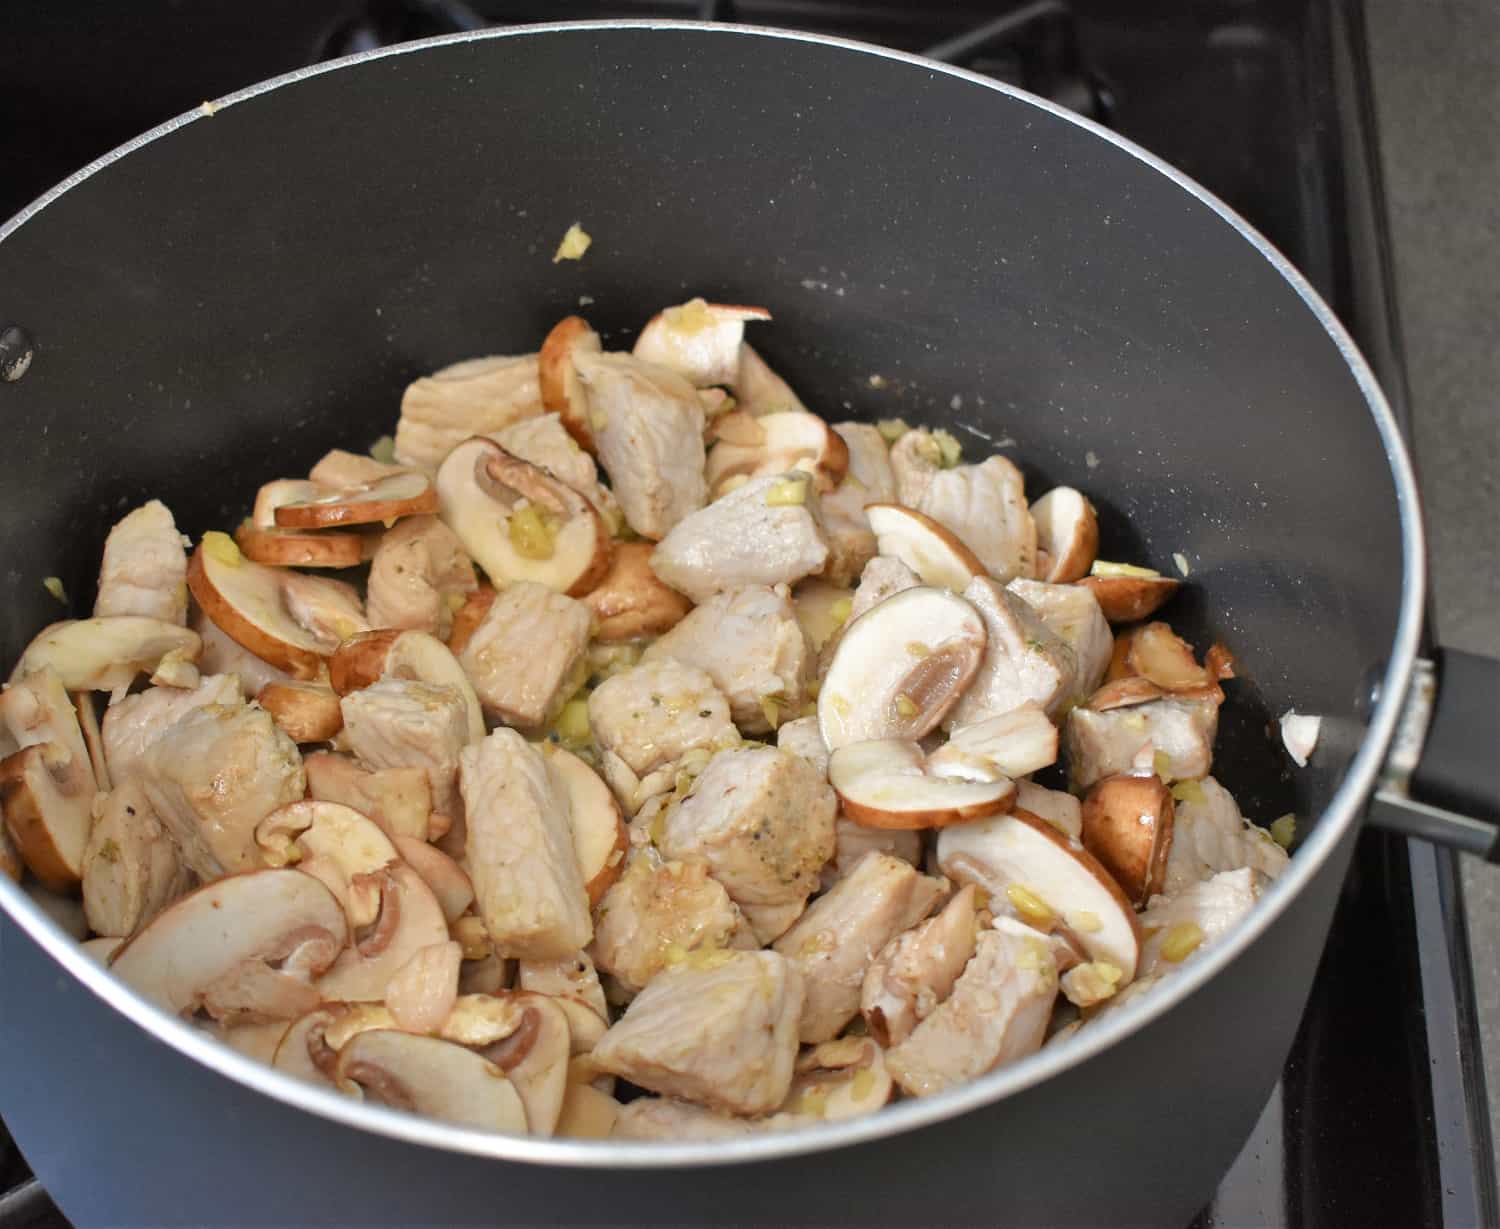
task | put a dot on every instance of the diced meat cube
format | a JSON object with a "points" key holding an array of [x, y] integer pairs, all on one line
{"points": [[1073, 613], [526, 657], [1023, 659], [419, 577], [144, 571], [1199, 915], [403, 723], [1059, 808], [667, 1118], [398, 799], [803, 737], [132, 869], [916, 970], [1210, 835], [851, 542], [851, 841], [479, 396], [132, 724], [1098, 745]]}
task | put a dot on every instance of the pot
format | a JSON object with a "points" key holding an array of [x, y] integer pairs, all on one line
{"points": [[222, 300]]}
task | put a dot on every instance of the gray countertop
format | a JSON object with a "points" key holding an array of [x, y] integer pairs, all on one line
{"points": [[1437, 85]]}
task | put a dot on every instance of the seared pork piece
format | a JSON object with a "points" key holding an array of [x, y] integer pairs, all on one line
{"points": [[221, 655], [767, 532], [573, 977], [763, 821], [915, 971], [543, 441], [1210, 835], [750, 643], [401, 723], [851, 841], [997, 1013], [399, 800], [851, 542], [646, 718], [1098, 745], [647, 424], [659, 911], [1059, 808], [526, 656], [834, 942], [144, 571], [802, 737], [1023, 659], [419, 576], [985, 505], [668, 1118], [480, 396], [131, 867], [1182, 925], [339, 468], [1073, 613], [719, 1029], [215, 774], [520, 853], [131, 725], [883, 577]]}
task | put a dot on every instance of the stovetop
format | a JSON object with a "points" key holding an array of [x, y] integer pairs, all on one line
{"points": [[1380, 1116]]}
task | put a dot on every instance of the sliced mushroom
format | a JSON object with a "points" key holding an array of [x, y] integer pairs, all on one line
{"points": [[338, 468], [283, 491], [587, 1113], [1128, 599], [406, 493], [102, 949], [700, 341], [572, 979], [10, 857], [1157, 653], [839, 1079], [795, 440], [398, 799], [46, 792], [35, 709], [131, 867], [299, 548], [883, 784], [1058, 807], [520, 523], [308, 712], [244, 945], [1067, 535], [309, 1049], [449, 882], [933, 552], [436, 1079], [410, 919], [900, 667], [1047, 880], [336, 845], [105, 654], [562, 392], [600, 837], [468, 617], [421, 993], [758, 390], [629, 602], [526, 1036], [1014, 744], [1127, 825], [388, 653], [93, 738]]}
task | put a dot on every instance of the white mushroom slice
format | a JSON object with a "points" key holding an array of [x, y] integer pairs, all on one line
{"points": [[475, 397], [449, 881], [412, 655], [766, 532], [258, 1040], [984, 505], [526, 1036], [35, 709], [1026, 864], [526, 657], [133, 723], [916, 970], [545, 442], [520, 851], [284, 491], [436, 1079], [246, 945], [833, 943], [11, 865], [46, 792], [719, 1028], [997, 1013], [1210, 835], [932, 551], [405, 493], [900, 668], [308, 712], [573, 978], [1073, 614], [883, 784], [409, 919], [1129, 599], [93, 736], [562, 391], [300, 548], [821, 610], [339, 468], [839, 1079], [309, 1048], [1127, 825], [587, 1113], [630, 602], [700, 341], [336, 845], [1157, 653], [1299, 735], [213, 776], [131, 867], [647, 424], [757, 389], [600, 838], [781, 442], [398, 799], [1023, 659], [666, 1118], [520, 523], [421, 993], [1179, 729], [144, 567], [1179, 927], [105, 654], [1067, 535], [1014, 744], [420, 572], [1059, 808]]}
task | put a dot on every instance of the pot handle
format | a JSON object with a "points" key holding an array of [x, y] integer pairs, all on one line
{"points": [[1441, 780]]}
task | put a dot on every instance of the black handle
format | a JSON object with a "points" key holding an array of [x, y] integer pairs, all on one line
{"points": [[1442, 778]]}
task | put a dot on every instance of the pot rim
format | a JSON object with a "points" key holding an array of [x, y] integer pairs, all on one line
{"points": [[1344, 809]]}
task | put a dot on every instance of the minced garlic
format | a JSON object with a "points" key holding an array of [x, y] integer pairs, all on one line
{"points": [[1181, 941], [1102, 567], [221, 548], [789, 492], [574, 244]]}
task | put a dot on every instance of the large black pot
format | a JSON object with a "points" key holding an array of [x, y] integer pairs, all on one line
{"points": [[226, 298]]}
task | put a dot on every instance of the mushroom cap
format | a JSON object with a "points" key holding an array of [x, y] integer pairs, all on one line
{"points": [[630, 601], [562, 392], [750, 447], [700, 341], [406, 493], [449, 882], [1157, 653], [900, 667], [1128, 599], [107, 653], [214, 949], [47, 794], [1067, 535], [390, 653], [337, 846], [410, 919], [1013, 744], [844, 1078], [284, 491], [299, 548], [1127, 825], [882, 784], [600, 836], [468, 617], [526, 1036], [929, 549], [424, 1075], [308, 712]]}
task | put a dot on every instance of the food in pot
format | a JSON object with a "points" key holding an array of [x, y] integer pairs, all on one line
{"points": [[630, 751]]}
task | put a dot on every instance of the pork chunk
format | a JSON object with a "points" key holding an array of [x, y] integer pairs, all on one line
{"points": [[399, 800], [1209, 835], [526, 657], [132, 724], [803, 737], [144, 571], [767, 532], [750, 643], [527, 883], [1059, 808], [916, 970], [719, 1030], [833, 943], [997, 1013], [851, 841], [131, 867], [479, 396], [668, 1118], [851, 542], [1213, 906], [419, 576], [763, 821], [221, 655], [1023, 659], [215, 774], [1072, 612], [402, 723], [1098, 745], [985, 505]]}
